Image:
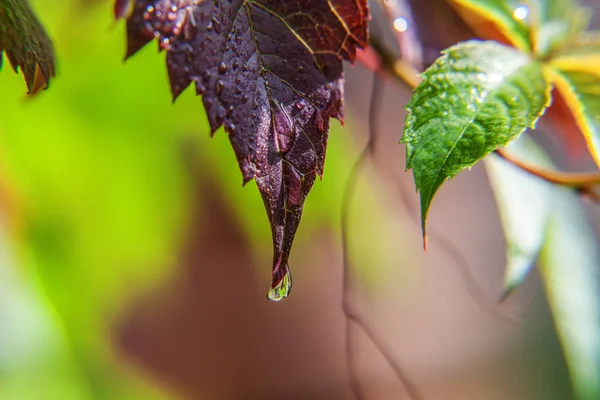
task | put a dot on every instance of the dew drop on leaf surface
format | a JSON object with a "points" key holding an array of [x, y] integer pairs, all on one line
{"points": [[272, 77]]}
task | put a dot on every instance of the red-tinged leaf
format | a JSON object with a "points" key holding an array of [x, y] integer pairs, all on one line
{"points": [[270, 72], [494, 20], [120, 8], [580, 106], [562, 118]]}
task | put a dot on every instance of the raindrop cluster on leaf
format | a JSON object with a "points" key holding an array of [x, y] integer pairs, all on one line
{"points": [[271, 73]]}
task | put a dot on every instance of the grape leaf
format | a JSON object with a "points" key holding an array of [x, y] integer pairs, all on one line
{"points": [[25, 43], [524, 204], [476, 97], [271, 73]]}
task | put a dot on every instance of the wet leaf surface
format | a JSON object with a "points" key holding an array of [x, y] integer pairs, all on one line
{"points": [[477, 97], [271, 73]]}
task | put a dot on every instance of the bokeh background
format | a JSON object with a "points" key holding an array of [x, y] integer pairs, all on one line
{"points": [[134, 265]]}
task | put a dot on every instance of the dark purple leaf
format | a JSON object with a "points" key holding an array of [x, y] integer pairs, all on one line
{"points": [[270, 72]]}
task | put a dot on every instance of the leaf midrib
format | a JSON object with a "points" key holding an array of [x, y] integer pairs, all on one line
{"points": [[489, 93]]}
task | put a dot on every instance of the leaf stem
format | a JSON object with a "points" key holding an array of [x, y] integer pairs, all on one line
{"points": [[583, 183], [397, 68]]}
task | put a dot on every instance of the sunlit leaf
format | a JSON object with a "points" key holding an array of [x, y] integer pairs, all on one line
{"points": [[570, 267], [524, 204], [500, 20], [270, 72], [582, 55], [25, 43], [580, 91], [476, 97]]}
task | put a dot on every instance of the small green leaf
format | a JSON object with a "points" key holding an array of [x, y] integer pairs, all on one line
{"points": [[476, 97], [25, 42], [524, 204], [570, 267]]}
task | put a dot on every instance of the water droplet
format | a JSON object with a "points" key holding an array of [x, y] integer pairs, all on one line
{"points": [[300, 69], [222, 68], [244, 98], [282, 290], [217, 25], [219, 87], [401, 24], [235, 65]]}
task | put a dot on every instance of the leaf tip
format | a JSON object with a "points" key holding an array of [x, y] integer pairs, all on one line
{"points": [[281, 284]]}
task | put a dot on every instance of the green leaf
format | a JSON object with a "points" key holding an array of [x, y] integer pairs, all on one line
{"points": [[524, 204], [569, 262], [476, 97], [25, 42], [558, 23], [570, 267], [582, 54], [580, 89], [485, 15], [555, 10]]}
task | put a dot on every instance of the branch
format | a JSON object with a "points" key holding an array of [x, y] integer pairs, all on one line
{"points": [[397, 68], [353, 317], [583, 183]]}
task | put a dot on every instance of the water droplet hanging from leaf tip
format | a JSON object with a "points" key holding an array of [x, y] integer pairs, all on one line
{"points": [[282, 290]]}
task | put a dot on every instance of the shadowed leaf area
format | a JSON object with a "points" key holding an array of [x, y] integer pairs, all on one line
{"points": [[25, 43], [271, 73]]}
